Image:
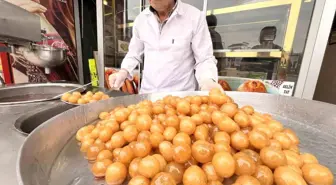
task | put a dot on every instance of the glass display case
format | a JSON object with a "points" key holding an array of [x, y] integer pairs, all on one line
{"points": [[253, 40]]}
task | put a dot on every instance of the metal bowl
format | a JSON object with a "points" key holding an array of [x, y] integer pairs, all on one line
{"points": [[50, 154], [45, 56]]}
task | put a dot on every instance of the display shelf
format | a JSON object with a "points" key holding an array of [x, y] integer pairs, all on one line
{"points": [[251, 53]]}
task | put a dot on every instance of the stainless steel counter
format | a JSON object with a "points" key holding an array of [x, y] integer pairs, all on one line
{"points": [[11, 140]]}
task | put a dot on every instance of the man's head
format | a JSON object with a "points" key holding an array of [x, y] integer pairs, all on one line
{"points": [[211, 20], [162, 5], [268, 34]]}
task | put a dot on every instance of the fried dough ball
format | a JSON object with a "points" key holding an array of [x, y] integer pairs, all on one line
{"points": [[93, 151], [202, 151], [139, 180], [143, 122], [222, 146], [161, 160], [258, 139], [166, 149], [215, 183], [149, 167], [247, 180], [226, 124], [211, 173], [144, 135], [317, 174], [308, 158], [197, 118], [104, 154], [265, 129], [239, 140], [126, 155], [285, 141], [291, 134], [245, 165], [130, 133], [172, 121], [284, 175], [222, 136], [264, 175], [142, 148], [224, 164], [116, 173], [117, 140], [194, 175], [65, 96], [275, 144], [248, 109], [105, 134], [163, 178], [169, 133], [187, 126], [99, 167], [176, 170], [157, 127], [275, 126], [253, 154], [73, 99], [242, 119], [121, 115], [273, 158], [155, 139], [182, 138], [293, 158], [133, 167], [181, 153], [229, 109], [183, 107], [202, 132]]}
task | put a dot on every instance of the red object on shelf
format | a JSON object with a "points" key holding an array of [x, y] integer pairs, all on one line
{"points": [[6, 67]]}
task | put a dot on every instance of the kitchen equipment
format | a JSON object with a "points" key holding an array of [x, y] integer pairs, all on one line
{"points": [[30, 93], [50, 154], [45, 56], [16, 31]]}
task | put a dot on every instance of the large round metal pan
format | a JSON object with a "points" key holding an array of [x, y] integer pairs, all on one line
{"points": [[50, 154]]}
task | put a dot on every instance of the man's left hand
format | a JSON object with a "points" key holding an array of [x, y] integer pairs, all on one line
{"points": [[209, 84]]}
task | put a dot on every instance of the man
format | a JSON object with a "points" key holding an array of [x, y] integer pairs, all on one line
{"points": [[177, 47]]}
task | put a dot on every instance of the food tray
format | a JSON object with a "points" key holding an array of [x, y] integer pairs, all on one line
{"points": [[50, 154]]}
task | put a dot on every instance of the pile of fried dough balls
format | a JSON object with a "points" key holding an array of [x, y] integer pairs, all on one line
{"points": [[196, 140], [88, 97]]}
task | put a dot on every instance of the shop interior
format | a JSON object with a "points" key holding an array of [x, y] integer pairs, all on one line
{"points": [[269, 119], [325, 89]]}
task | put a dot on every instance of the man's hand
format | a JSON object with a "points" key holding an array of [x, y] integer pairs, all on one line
{"points": [[116, 80], [29, 5], [209, 84]]}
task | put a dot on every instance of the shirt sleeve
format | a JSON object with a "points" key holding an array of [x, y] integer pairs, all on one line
{"points": [[135, 52], [206, 63]]}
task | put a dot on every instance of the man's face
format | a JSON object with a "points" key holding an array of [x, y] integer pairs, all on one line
{"points": [[160, 5]]}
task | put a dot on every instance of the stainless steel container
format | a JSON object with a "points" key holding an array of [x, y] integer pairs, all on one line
{"points": [[50, 154], [29, 93], [45, 56]]}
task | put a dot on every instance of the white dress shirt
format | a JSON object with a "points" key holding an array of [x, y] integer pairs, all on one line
{"points": [[177, 55]]}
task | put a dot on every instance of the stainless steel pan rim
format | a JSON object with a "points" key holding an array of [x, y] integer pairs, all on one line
{"points": [[22, 86], [316, 117]]}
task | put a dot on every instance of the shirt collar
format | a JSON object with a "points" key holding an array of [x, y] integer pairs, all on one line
{"points": [[177, 8]]}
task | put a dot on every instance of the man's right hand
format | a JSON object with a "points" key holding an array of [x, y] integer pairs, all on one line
{"points": [[116, 80]]}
